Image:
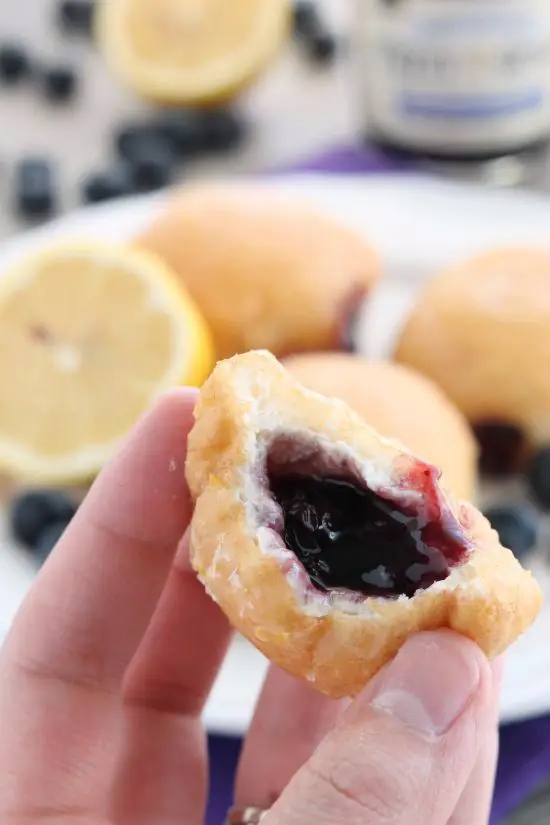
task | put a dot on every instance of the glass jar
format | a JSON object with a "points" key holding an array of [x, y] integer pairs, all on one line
{"points": [[454, 79]]}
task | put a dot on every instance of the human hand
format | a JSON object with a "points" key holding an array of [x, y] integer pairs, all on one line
{"points": [[109, 662]]}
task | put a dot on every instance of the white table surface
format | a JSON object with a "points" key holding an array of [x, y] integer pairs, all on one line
{"points": [[295, 109]]}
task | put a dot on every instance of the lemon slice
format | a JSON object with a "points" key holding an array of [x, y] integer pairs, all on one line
{"points": [[90, 335], [190, 51]]}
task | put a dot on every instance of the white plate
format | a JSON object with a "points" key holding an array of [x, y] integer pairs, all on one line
{"points": [[419, 224]]}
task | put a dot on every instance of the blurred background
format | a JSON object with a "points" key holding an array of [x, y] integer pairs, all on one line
{"points": [[302, 173], [77, 133]]}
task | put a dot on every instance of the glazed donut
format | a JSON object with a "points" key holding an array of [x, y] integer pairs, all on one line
{"points": [[480, 331], [399, 403], [327, 545], [267, 271]]}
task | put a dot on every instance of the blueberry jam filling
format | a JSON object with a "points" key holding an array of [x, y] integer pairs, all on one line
{"points": [[350, 538], [502, 447]]}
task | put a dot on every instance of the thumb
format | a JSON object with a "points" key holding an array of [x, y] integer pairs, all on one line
{"points": [[405, 748]]}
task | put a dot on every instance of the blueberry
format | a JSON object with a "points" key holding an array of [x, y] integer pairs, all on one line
{"points": [[502, 447], [35, 510], [322, 47], [538, 477], [59, 83], [151, 171], [14, 63], [150, 156], [222, 130], [47, 539], [516, 526], [129, 139], [35, 195], [137, 141], [182, 133], [319, 44], [76, 16], [183, 129], [103, 186], [305, 18]]}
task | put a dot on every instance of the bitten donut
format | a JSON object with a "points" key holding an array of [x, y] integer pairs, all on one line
{"points": [[266, 270], [481, 331], [326, 544], [399, 403]]}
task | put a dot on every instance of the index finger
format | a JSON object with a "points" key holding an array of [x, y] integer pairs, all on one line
{"points": [[63, 662], [93, 599]]}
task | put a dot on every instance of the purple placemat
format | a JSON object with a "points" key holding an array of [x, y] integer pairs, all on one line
{"points": [[523, 766], [349, 160], [524, 762]]}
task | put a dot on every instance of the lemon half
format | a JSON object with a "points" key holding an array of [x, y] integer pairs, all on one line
{"points": [[190, 51], [90, 335]]}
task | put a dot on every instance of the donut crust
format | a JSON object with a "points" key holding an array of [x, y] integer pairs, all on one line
{"points": [[399, 403], [266, 270], [480, 331], [336, 641]]}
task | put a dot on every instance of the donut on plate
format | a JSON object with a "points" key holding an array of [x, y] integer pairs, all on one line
{"points": [[325, 544], [481, 331], [400, 403], [266, 270]]}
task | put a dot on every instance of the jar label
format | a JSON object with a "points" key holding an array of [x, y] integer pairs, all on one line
{"points": [[456, 75]]}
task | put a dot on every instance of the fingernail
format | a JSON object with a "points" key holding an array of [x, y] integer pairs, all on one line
{"points": [[430, 682]]}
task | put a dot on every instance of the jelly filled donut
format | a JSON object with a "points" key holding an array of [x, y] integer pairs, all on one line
{"points": [[481, 332], [326, 544], [266, 270], [399, 403]]}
